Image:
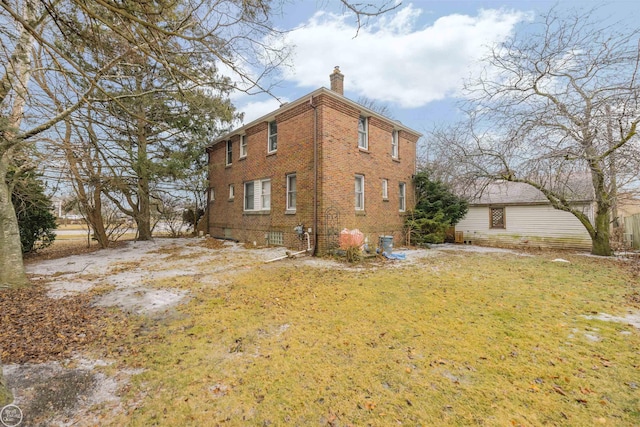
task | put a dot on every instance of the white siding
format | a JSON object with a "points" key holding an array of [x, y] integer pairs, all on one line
{"points": [[535, 226]]}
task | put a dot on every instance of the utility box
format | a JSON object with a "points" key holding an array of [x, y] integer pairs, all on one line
{"points": [[459, 237]]}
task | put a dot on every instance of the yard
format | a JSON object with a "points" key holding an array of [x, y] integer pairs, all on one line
{"points": [[197, 332]]}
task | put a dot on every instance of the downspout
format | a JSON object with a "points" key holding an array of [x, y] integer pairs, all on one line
{"points": [[315, 176], [208, 207]]}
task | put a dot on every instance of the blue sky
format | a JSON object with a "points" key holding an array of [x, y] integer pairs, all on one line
{"points": [[413, 59]]}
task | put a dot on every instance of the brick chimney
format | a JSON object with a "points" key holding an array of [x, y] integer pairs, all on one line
{"points": [[337, 81]]}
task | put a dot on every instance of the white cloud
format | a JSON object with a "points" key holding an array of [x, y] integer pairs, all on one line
{"points": [[394, 60]]}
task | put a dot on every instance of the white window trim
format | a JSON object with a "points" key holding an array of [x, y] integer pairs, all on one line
{"points": [[270, 135], [294, 176], [253, 196], [212, 194], [395, 145], [361, 178], [243, 146], [365, 133], [258, 196], [232, 192], [402, 197], [263, 195], [228, 153], [385, 189]]}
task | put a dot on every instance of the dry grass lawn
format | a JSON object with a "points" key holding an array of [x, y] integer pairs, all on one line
{"points": [[465, 339]]}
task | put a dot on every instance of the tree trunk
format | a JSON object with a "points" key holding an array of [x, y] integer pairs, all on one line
{"points": [[94, 217], [143, 217], [5, 394], [12, 273], [600, 244]]}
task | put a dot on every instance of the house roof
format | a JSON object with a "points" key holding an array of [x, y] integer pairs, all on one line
{"points": [[307, 98], [519, 193]]}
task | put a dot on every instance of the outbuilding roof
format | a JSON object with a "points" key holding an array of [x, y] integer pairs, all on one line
{"points": [[519, 193]]}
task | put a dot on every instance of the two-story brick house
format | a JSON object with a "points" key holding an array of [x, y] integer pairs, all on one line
{"points": [[322, 162]]}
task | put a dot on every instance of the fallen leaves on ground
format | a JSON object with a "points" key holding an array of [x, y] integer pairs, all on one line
{"points": [[35, 328]]}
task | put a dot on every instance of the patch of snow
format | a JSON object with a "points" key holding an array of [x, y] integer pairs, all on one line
{"points": [[632, 318], [141, 300], [592, 337], [64, 288], [560, 260], [474, 248]]}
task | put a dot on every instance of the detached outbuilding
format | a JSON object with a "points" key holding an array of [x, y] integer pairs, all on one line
{"points": [[513, 214]]}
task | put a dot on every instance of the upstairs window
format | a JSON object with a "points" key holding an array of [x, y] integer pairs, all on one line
{"points": [[363, 133], [496, 218], [273, 137], [385, 189], [394, 144], [212, 195], [402, 193], [229, 157], [232, 192], [291, 192], [359, 192], [243, 146]]}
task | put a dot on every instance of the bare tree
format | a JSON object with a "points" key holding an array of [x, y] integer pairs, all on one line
{"points": [[46, 41], [558, 110], [372, 104]]}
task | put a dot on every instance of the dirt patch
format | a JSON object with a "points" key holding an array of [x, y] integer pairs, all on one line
{"points": [[53, 394]]}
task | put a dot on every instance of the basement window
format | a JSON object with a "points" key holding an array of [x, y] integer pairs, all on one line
{"points": [[276, 238]]}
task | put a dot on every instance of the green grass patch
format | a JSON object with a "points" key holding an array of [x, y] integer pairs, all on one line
{"points": [[458, 340]]}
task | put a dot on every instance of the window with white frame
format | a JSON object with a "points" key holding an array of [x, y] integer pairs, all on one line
{"points": [[273, 136], [232, 192], [257, 195], [229, 157], [212, 194], [265, 195], [363, 133], [291, 192], [243, 146], [385, 189], [402, 197], [394, 144], [359, 192], [249, 196]]}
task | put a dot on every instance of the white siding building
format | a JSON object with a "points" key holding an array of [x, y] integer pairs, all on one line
{"points": [[517, 215]]}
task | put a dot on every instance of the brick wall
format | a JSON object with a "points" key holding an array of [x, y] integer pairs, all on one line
{"points": [[294, 154], [341, 160]]}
